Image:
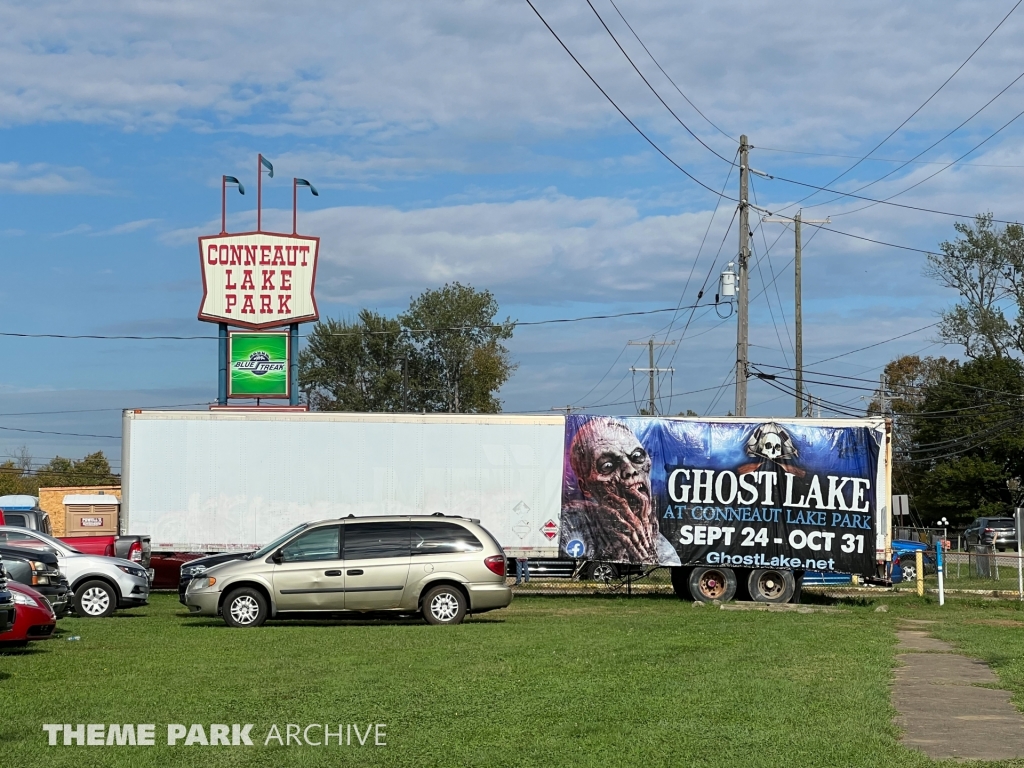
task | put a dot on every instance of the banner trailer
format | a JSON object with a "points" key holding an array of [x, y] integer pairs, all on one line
{"points": [[735, 493]]}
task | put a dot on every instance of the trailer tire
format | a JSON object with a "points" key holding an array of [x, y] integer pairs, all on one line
{"points": [[681, 583], [768, 585], [712, 584], [603, 572]]}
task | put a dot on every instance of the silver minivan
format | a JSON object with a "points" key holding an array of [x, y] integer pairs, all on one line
{"points": [[441, 566]]}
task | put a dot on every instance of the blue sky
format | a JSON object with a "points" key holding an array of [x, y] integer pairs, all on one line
{"points": [[460, 142]]}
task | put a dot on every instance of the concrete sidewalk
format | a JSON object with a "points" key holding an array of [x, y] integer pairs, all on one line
{"points": [[943, 711]]}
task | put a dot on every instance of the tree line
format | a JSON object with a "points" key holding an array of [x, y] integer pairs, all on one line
{"points": [[20, 475], [959, 425]]}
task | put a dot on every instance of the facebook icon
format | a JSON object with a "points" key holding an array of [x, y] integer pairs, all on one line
{"points": [[575, 548]]}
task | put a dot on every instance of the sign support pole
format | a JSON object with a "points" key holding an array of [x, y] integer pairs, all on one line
{"points": [[293, 364], [1018, 518], [222, 351]]}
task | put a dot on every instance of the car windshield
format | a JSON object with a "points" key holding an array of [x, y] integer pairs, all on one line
{"points": [[269, 549], [38, 539]]}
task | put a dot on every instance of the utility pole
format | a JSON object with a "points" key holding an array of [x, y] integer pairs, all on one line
{"points": [[883, 397], [743, 296], [405, 384], [798, 313], [651, 344]]}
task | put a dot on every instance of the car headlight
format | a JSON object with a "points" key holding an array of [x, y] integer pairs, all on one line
{"points": [[21, 599], [132, 571], [193, 570]]}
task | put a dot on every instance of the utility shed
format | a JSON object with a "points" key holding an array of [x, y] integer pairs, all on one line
{"points": [[51, 501]]}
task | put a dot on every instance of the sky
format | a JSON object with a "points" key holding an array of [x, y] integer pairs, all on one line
{"points": [[461, 142]]}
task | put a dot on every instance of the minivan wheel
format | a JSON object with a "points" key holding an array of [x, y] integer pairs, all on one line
{"points": [[95, 600], [245, 607], [444, 605]]}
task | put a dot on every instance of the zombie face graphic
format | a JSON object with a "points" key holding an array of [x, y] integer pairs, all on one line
{"points": [[616, 515]]}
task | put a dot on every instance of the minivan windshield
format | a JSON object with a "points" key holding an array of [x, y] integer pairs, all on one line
{"points": [[272, 546]]}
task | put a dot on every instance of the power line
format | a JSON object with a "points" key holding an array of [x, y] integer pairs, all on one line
{"points": [[884, 160], [932, 146], [96, 410], [652, 88], [490, 326], [618, 109], [667, 75], [945, 167], [65, 434], [923, 105], [693, 267], [877, 343], [664, 154]]}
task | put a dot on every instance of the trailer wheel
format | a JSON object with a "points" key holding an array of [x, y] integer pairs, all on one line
{"points": [[768, 585], [681, 583], [600, 572], [709, 584]]}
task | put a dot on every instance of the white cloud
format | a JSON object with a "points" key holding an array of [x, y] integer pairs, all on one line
{"points": [[385, 70], [128, 227], [44, 179]]}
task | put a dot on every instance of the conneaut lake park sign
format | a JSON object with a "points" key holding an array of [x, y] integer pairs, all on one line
{"points": [[257, 281]]}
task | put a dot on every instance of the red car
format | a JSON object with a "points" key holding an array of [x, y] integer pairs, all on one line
{"points": [[33, 620]]}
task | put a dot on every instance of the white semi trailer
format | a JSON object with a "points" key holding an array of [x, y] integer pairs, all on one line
{"points": [[733, 498]]}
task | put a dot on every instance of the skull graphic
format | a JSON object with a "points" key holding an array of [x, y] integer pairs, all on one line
{"points": [[772, 442], [771, 446]]}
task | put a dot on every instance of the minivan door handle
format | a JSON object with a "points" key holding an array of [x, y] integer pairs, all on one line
{"points": [[332, 573], [355, 572]]}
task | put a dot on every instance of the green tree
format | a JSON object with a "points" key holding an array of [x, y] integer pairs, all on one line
{"points": [[462, 361], [966, 440], [17, 475], [985, 265], [92, 469], [357, 366]]}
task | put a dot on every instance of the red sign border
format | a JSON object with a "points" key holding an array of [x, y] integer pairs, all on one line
{"points": [[272, 323]]}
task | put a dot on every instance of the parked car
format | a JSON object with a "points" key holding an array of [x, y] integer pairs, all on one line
{"points": [[35, 619], [443, 567], [999, 532], [101, 584], [24, 512], [8, 610], [41, 571], [904, 560], [199, 566]]}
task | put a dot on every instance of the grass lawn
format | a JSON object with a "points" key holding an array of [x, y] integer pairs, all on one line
{"points": [[643, 681]]}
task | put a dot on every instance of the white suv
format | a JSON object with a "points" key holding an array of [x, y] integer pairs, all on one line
{"points": [[101, 584]]}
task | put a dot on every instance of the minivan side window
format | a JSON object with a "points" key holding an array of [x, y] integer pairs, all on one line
{"points": [[366, 541], [318, 544], [437, 538]]}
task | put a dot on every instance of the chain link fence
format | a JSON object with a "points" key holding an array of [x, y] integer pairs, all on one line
{"points": [[576, 578]]}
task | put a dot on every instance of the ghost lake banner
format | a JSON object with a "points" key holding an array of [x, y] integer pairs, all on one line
{"points": [[738, 493]]}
